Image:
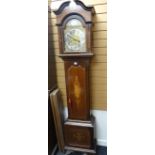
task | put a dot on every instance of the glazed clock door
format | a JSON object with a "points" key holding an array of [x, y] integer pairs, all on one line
{"points": [[74, 36]]}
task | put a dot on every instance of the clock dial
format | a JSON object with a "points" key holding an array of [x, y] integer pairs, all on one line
{"points": [[75, 37]]}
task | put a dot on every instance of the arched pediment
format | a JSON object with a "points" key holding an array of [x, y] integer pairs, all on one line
{"points": [[74, 7]]}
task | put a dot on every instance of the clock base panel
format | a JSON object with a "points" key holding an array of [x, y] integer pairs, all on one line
{"points": [[79, 134]]}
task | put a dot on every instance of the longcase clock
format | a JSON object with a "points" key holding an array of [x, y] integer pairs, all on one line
{"points": [[74, 21]]}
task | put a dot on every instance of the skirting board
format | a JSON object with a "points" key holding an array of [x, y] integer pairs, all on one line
{"points": [[101, 142], [101, 126]]}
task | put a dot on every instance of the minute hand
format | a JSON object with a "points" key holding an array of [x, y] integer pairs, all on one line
{"points": [[74, 38]]}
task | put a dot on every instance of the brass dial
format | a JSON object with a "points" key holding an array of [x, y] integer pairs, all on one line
{"points": [[74, 36]]}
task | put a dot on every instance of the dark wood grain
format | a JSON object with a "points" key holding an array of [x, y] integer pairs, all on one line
{"points": [[84, 15], [51, 130], [84, 11], [79, 128], [57, 108], [77, 89], [79, 133]]}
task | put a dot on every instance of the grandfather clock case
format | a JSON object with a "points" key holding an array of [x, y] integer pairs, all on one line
{"points": [[74, 22]]}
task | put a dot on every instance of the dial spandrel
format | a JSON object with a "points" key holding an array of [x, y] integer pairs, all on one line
{"points": [[75, 37]]}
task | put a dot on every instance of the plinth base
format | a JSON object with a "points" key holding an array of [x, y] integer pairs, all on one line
{"points": [[79, 136], [78, 149]]}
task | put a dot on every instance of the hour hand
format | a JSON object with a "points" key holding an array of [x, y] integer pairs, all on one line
{"points": [[75, 39]]}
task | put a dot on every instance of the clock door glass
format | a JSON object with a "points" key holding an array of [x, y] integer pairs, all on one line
{"points": [[75, 36]]}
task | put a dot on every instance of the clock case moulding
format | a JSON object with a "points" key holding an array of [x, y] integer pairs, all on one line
{"points": [[80, 125]]}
